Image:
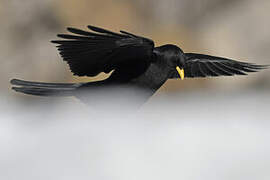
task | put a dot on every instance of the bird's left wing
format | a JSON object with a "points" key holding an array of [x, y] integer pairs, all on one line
{"points": [[200, 65], [90, 52]]}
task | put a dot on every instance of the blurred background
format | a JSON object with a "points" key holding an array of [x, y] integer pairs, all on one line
{"points": [[215, 128]]}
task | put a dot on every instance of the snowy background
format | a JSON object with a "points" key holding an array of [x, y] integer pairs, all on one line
{"points": [[190, 136]]}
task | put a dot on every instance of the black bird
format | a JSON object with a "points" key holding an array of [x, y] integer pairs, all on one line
{"points": [[135, 61]]}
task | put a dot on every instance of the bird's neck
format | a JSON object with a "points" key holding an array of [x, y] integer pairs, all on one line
{"points": [[152, 79]]}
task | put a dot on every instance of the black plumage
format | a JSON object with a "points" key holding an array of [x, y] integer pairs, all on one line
{"points": [[135, 61]]}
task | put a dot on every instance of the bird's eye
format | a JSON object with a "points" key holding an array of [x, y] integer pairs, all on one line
{"points": [[176, 62]]}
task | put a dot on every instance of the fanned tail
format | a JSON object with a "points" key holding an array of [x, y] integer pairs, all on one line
{"points": [[44, 89]]}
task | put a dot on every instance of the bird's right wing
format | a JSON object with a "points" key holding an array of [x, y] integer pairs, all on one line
{"points": [[200, 65], [90, 52]]}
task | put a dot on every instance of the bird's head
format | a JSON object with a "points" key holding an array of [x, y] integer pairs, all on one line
{"points": [[174, 58]]}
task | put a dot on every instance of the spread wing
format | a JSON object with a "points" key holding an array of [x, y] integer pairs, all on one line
{"points": [[199, 65], [90, 52]]}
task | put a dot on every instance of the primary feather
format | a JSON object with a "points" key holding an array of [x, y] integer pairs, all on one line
{"points": [[200, 65], [89, 53]]}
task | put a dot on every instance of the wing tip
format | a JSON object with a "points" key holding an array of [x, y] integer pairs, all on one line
{"points": [[90, 27], [61, 35], [55, 41], [255, 67], [70, 29]]}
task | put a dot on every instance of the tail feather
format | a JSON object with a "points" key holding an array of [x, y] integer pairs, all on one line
{"points": [[19, 82], [43, 89]]}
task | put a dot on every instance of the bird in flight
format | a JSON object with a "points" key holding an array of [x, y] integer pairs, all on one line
{"points": [[134, 61]]}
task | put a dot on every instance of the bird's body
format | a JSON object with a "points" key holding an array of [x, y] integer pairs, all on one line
{"points": [[138, 66]]}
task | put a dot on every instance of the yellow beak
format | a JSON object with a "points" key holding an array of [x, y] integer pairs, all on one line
{"points": [[180, 72]]}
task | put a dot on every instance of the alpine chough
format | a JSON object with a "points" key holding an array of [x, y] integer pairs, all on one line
{"points": [[134, 61]]}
